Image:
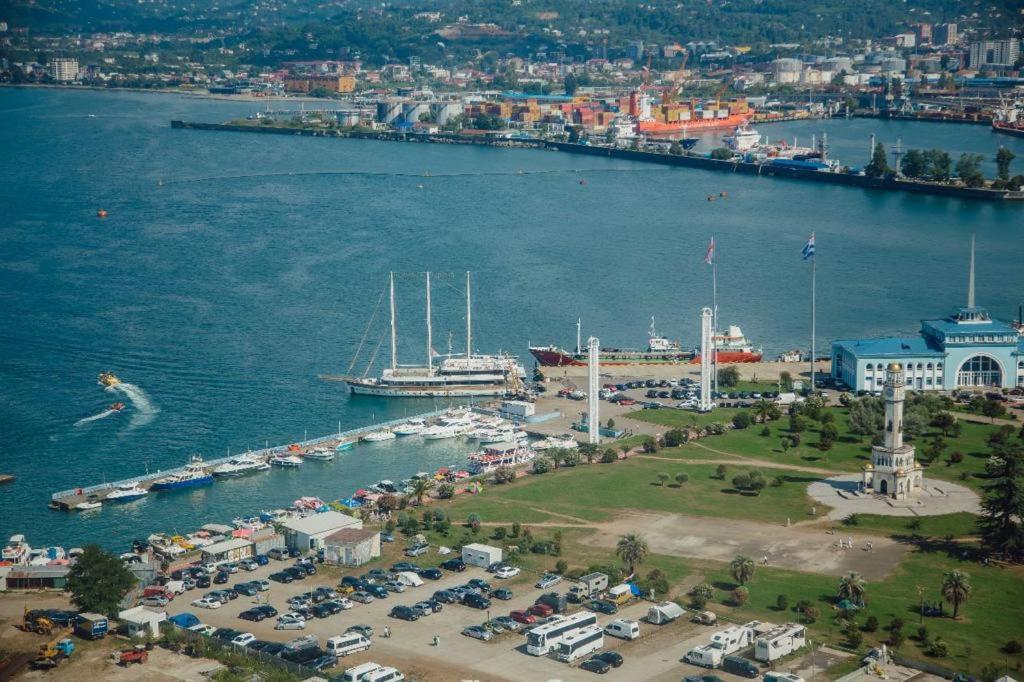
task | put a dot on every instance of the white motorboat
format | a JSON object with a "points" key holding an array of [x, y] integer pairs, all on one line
{"points": [[41, 557], [126, 492], [88, 506], [240, 466], [322, 454], [17, 550], [286, 461], [565, 442], [378, 436], [439, 432], [410, 428], [503, 436]]}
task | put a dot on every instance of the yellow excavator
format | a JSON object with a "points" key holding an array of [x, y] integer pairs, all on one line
{"points": [[37, 622], [54, 652]]}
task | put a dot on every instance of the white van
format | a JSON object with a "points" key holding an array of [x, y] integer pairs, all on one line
{"points": [[358, 673], [622, 628], [384, 674], [349, 643]]}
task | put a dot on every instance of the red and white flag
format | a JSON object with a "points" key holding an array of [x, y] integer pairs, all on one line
{"points": [[710, 255]]}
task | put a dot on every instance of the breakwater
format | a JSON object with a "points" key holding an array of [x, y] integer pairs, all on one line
{"points": [[684, 160]]}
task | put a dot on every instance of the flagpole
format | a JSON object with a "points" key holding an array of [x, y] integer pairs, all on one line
{"points": [[714, 317], [813, 316]]}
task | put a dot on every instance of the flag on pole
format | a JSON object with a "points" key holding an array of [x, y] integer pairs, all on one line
{"points": [[808, 250], [710, 255]]}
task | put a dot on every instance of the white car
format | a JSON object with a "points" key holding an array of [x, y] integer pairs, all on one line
{"points": [[156, 600], [207, 603], [344, 602], [203, 629], [507, 572], [548, 579], [248, 564], [243, 640], [291, 621]]}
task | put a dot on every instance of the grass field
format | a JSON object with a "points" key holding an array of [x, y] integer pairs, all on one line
{"points": [[960, 524]]}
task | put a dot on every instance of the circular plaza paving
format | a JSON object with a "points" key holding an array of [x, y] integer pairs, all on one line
{"points": [[842, 494]]}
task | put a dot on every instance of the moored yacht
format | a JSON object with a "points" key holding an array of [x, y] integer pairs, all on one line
{"points": [[378, 436], [565, 441], [439, 432], [286, 460], [17, 550], [322, 454], [192, 476], [240, 466], [126, 492], [410, 428], [498, 455]]}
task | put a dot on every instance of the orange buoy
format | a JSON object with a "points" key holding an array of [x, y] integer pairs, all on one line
{"points": [[724, 194], [101, 213]]}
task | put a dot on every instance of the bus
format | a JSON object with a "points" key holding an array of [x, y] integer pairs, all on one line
{"points": [[543, 638], [580, 643]]}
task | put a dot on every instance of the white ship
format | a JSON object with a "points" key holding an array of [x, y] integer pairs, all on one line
{"points": [[742, 139], [240, 466], [499, 455], [468, 375]]}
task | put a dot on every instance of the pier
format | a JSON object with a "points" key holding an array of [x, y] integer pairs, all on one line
{"points": [[850, 179], [66, 500]]}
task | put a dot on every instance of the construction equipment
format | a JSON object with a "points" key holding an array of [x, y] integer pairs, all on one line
{"points": [[669, 94], [129, 656], [37, 622], [53, 652]]}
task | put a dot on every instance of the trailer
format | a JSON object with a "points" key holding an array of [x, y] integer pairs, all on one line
{"points": [[587, 586], [779, 642], [665, 612]]}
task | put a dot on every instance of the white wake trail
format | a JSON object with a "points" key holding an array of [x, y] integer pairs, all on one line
{"points": [[145, 411], [102, 415]]}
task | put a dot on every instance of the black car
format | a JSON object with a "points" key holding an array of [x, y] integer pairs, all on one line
{"points": [[302, 656], [479, 584], [379, 574], [457, 565], [595, 665], [502, 594], [252, 614], [203, 581], [430, 573], [324, 662], [377, 591], [601, 606], [281, 577], [446, 596], [295, 572], [332, 606], [230, 592], [323, 610], [349, 580], [220, 578], [226, 634], [612, 658], [476, 601], [310, 569], [405, 566], [248, 589], [294, 553], [405, 613]]}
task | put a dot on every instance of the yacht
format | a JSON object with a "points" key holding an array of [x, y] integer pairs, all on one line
{"points": [[344, 445], [410, 428], [504, 436], [192, 476], [378, 436], [565, 442], [240, 466], [284, 460], [454, 376], [498, 455], [126, 492], [88, 506], [744, 138], [41, 557], [17, 550], [439, 432], [322, 454]]}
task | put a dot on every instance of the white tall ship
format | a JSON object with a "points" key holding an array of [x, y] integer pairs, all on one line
{"points": [[455, 376]]}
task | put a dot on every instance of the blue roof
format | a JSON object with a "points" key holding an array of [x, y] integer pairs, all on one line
{"points": [[890, 346], [950, 327]]}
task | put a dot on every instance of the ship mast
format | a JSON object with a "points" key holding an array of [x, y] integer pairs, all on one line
{"points": [[469, 320], [430, 334], [394, 338], [579, 340]]}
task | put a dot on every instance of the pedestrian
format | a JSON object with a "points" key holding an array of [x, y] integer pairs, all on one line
{"points": [[387, 631], [764, 560], [437, 641]]}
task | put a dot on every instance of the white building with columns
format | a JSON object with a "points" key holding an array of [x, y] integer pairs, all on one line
{"points": [[893, 470]]}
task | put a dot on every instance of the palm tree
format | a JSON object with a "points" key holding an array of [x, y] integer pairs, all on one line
{"points": [[956, 588], [742, 569], [590, 451], [762, 408], [852, 587], [632, 549], [421, 488]]}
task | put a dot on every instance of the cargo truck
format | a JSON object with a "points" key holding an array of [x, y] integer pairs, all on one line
{"points": [[588, 586], [91, 626]]}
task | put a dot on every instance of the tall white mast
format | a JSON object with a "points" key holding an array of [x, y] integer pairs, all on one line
{"points": [[714, 320], [579, 340], [430, 332], [970, 282], [394, 338], [469, 319]]}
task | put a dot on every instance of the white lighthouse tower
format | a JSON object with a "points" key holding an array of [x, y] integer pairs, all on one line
{"points": [[893, 470], [706, 403]]}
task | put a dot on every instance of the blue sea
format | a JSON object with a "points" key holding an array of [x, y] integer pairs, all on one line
{"points": [[232, 270]]}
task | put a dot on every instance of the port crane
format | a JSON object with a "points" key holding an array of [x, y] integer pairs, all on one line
{"points": [[669, 94]]}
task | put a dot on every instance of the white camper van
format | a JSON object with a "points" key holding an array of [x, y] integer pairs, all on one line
{"points": [[707, 656], [623, 628], [779, 642]]}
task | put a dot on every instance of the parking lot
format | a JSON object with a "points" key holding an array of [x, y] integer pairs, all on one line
{"points": [[654, 656]]}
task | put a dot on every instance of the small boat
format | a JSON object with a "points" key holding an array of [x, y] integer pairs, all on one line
{"points": [[439, 432], [17, 550], [322, 454], [126, 492], [108, 379], [378, 436], [344, 445], [116, 407], [286, 461], [193, 476], [240, 466], [86, 506], [410, 428]]}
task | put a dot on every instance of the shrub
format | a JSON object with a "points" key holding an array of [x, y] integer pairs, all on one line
{"points": [[649, 445], [801, 605], [473, 521], [541, 466], [871, 624], [811, 614], [702, 594], [720, 472], [794, 439], [561, 567], [663, 478], [682, 478], [851, 520], [896, 624], [854, 637], [499, 533], [922, 634], [1012, 647], [504, 474], [778, 481], [656, 581], [782, 602], [517, 528], [956, 457], [570, 458], [740, 596], [446, 491], [766, 431], [715, 428], [609, 456], [741, 482], [674, 438], [938, 648], [742, 420]]}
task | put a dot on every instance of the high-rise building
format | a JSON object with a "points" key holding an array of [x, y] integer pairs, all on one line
{"points": [[63, 69], [944, 34], [994, 53]]}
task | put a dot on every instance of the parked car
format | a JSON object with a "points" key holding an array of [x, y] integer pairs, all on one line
{"points": [[457, 565], [156, 600], [541, 610], [394, 586], [509, 624], [429, 606], [404, 566], [417, 550], [290, 621], [507, 572], [220, 578], [229, 567], [377, 591], [362, 597], [405, 613], [547, 580], [446, 596], [207, 603], [476, 601], [595, 665], [282, 577], [479, 584], [344, 603], [364, 630], [478, 632], [703, 678], [430, 573], [253, 614], [524, 617], [261, 559], [612, 658], [243, 640], [602, 606], [248, 589], [324, 610], [387, 537], [203, 582], [296, 573], [501, 593]]}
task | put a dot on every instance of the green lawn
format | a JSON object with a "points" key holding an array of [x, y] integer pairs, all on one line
{"points": [[597, 492], [960, 524], [681, 419]]}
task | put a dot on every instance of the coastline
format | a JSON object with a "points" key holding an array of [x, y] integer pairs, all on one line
{"points": [[192, 94]]}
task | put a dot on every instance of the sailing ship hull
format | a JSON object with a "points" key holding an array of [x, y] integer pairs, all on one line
{"points": [[731, 356], [450, 391]]}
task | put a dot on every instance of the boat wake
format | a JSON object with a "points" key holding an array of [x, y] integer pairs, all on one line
{"points": [[145, 411], [102, 415]]}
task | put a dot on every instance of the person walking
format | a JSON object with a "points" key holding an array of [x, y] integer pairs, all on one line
{"points": [[437, 641]]}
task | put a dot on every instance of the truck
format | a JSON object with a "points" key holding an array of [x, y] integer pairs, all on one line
{"points": [[53, 654], [779, 642], [588, 586], [665, 612], [91, 626]]}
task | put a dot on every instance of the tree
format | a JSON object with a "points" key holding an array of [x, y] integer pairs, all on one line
{"points": [[446, 491], [541, 465], [956, 588], [98, 581], [674, 438], [785, 381], [473, 521], [762, 410], [720, 472], [741, 420], [570, 458], [866, 417], [852, 587], [785, 443], [589, 451], [968, 169], [516, 529], [420, 488], [702, 594], [914, 164], [935, 449], [675, 149], [682, 478], [633, 550], [797, 423], [740, 596], [944, 421], [504, 474], [781, 602], [1003, 158], [827, 436], [993, 409], [811, 614], [662, 478], [728, 376], [742, 569], [387, 503], [940, 165], [571, 85], [879, 165], [609, 456], [611, 423]]}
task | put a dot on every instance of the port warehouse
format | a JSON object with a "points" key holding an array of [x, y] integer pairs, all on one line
{"points": [[504, 138], [66, 499]]}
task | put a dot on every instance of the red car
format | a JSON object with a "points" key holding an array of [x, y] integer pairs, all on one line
{"points": [[542, 610], [627, 401], [523, 617]]}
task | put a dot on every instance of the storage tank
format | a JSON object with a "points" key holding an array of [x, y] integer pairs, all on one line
{"points": [[411, 111], [445, 111], [787, 70], [837, 64], [347, 118], [389, 111]]}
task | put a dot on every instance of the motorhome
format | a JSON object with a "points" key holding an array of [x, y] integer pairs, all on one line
{"points": [[665, 612], [587, 586], [780, 642], [736, 637]]}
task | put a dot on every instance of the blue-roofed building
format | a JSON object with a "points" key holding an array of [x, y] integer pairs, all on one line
{"points": [[966, 350]]}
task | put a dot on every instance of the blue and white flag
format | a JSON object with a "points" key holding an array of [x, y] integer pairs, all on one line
{"points": [[808, 250]]}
